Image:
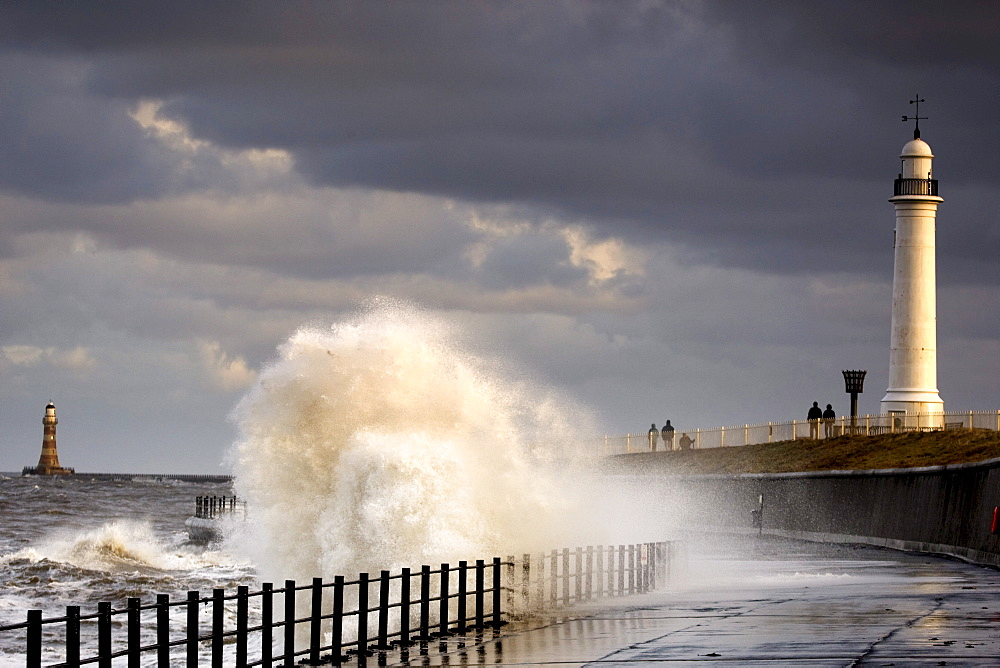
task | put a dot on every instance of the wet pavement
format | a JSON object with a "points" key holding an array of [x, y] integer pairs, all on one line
{"points": [[750, 601]]}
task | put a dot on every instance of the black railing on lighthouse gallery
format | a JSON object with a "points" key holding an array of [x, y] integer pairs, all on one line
{"points": [[153, 639], [915, 187]]}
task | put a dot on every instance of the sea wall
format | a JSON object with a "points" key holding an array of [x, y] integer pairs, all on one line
{"points": [[941, 509]]}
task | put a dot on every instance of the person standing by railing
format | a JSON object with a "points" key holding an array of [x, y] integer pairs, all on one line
{"points": [[653, 435], [814, 416], [828, 417], [667, 435]]}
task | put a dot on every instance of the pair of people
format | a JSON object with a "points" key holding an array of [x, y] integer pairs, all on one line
{"points": [[667, 434], [817, 415]]}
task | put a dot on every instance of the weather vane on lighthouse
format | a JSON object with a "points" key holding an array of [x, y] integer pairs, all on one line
{"points": [[916, 129]]}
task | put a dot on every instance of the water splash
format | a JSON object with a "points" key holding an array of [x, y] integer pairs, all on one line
{"points": [[122, 545], [381, 442]]}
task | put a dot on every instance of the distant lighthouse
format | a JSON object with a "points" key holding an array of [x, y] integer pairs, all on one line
{"points": [[913, 349], [48, 462]]}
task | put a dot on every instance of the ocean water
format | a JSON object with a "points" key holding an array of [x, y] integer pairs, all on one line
{"points": [[75, 541], [375, 442]]}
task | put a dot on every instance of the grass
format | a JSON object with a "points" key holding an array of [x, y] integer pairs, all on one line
{"points": [[913, 449]]}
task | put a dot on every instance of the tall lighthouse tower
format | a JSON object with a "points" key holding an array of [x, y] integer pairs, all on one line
{"points": [[913, 352]]}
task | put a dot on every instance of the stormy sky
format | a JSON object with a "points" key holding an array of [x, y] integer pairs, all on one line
{"points": [[663, 209]]}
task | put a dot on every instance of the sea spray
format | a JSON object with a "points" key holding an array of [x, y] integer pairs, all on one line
{"points": [[380, 442]]}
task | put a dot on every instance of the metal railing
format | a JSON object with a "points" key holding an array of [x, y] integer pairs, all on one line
{"points": [[915, 187], [771, 432], [228, 637]]}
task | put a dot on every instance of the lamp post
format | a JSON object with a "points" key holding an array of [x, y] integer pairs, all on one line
{"points": [[855, 382]]}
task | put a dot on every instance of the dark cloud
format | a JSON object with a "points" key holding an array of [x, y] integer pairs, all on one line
{"points": [[630, 115]]}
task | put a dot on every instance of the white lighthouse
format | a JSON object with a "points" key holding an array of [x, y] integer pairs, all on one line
{"points": [[913, 353]]}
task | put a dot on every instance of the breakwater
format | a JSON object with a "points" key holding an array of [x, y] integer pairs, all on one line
{"points": [[941, 509], [157, 477]]}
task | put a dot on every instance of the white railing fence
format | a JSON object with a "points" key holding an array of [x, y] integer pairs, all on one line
{"points": [[771, 432]]}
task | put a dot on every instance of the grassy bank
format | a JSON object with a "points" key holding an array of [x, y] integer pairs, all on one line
{"points": [[841, 453]]}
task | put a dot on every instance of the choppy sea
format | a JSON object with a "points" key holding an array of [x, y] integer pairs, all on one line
{"points": [[77, 541]]}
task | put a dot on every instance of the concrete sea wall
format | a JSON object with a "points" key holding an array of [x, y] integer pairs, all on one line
{"points": [[942, 509]]}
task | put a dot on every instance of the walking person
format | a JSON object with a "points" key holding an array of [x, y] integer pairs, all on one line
{"points": [[815, 415], [653, 434], [667, 435], [828, 417]]}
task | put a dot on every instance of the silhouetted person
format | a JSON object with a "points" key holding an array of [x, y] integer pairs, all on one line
{"points": [[685, 442], [828, 417], [667, 434], [653, 434], [815, 415]]}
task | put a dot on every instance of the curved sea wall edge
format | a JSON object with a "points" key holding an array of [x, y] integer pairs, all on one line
{"points": [[945, 510]]}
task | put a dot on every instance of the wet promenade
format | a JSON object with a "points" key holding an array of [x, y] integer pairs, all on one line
{"points": [[767, 602]]}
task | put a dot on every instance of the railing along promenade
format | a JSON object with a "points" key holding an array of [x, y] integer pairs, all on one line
{"points": [[771, 432], [315, 619]]}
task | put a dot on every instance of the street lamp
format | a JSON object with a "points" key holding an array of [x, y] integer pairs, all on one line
{"points": [[855, 382]]}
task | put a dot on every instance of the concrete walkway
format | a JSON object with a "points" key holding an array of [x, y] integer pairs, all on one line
{"points": [[767, 602]]}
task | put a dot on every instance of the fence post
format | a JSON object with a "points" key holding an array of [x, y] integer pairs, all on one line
{"points": [[425, 596], [443, 602], [73, 635], [404, 607], [289, 629], [600, 571], [497, 622], [511, 566], [565, 576], [480, 585], [463, 567], [104, 637], [631, 569], [218, 621], [134, 632], [383, 610], [266, 621], [33, 651], [162, 630], [578, 582], [652, 566], [526, 579], [697, 439], [794, 429], [554, 579], [337, 623], [193, 631], [621, 570], [362, 616], [541, 581], [242, 612], [315, 618], [589, 587]]}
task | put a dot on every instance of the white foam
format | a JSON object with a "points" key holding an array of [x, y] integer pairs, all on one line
{"points": [[380, 442], [114, 546]]}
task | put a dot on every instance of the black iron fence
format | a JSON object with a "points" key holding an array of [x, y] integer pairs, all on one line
{"points": [[331, 622]]}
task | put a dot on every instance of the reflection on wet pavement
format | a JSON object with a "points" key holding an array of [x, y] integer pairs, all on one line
{"points": [[752, 601]]}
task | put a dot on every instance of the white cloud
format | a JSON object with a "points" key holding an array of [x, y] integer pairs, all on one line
{"points": [[224, 371], [78, 359]]}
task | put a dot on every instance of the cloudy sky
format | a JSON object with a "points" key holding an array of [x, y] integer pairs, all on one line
{"points": [[664, 209]]}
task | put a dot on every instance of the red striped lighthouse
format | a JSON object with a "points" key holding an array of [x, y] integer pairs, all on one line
{"points": [[48, 462]]}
